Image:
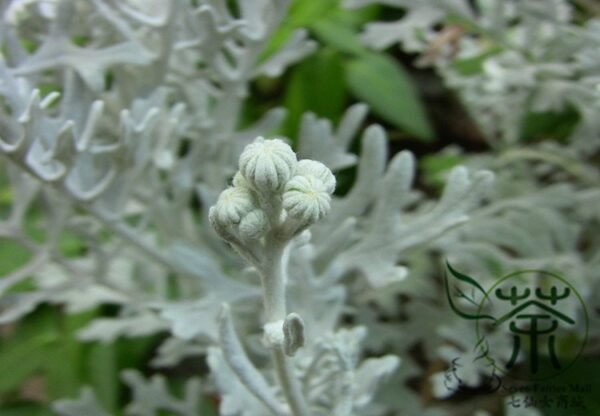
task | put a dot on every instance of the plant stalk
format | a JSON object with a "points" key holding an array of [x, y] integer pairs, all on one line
{"points": [[273, 283]]}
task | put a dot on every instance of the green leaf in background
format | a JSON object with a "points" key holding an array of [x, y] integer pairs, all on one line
{"points": [[474, 65], [208, 407], [103, 374], [301, 14], [64, 368], [338, 35], [326, 19], [44, 345], [436, 167], [13, 256], [5, 195], [549, 125], [25, 353], [27, 410], [382, 83], [316, 85]]}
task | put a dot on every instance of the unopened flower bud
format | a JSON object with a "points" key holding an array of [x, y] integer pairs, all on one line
{"points": [[254, 225], [233, 204], [306, 199], [268, 164], [309, 167]]}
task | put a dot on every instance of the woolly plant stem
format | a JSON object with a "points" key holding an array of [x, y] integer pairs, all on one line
{"points": [[273, 284], [289, 383]]}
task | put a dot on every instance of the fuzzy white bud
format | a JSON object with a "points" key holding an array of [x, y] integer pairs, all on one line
{"points": [[254, 225], [268, 164], [306, 199], [309, 167], [233, 204]]}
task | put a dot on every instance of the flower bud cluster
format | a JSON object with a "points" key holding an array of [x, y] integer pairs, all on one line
{"points": [[271, 176]]}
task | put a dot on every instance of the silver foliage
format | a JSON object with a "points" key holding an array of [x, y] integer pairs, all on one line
{"points": [[141, 123], [506, 60]]}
